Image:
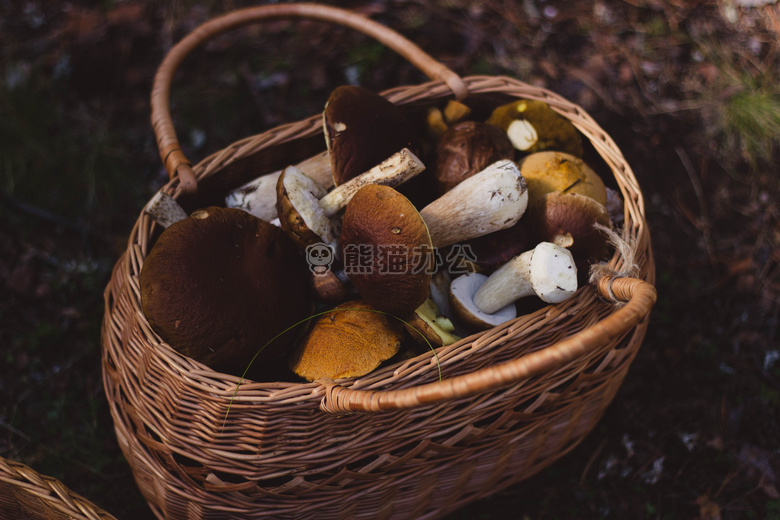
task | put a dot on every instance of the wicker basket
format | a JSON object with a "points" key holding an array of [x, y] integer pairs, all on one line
{"points": [[400, 442], [26, 494]]}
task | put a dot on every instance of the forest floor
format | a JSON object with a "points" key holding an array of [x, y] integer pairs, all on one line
{"points": [[689, 90]]}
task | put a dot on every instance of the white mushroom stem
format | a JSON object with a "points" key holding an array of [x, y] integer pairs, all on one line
{"points": [[461, 295], [164, 210], [258, 196], [548, 271], [488, 201], [393, 171]]}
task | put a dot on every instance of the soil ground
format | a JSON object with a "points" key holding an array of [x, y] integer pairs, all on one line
{"points": [[689, 90]]}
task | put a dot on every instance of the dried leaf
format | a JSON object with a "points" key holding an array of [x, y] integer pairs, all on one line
{"points": [[708, 510]]}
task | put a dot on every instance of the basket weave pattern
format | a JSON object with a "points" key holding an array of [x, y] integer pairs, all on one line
{"points": [[412, 440], [26, 494]]}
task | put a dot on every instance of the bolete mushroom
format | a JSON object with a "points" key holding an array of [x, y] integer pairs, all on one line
{"points": [[258, 196], [461, 301], [361, 129], [467, 148], [218, 285], [351, 340], [438, 120], [569, 220], [547, 271], [305, 209], [386, 250], [533, 126], [429, 327], [493, 199], [557, 171]]}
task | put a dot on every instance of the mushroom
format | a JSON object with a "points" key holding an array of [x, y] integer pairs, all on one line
{"points": [[428, 326], [258, 196], [547, 271], [305, 209], [557, 171], [533, 126], [386, 250], [467, 148], [461, 300], [219, 285], [569, 220], [439, 120], [494, 249], [328, 287], [299, 211], [349, 341], [492, 199], [361, 129]]}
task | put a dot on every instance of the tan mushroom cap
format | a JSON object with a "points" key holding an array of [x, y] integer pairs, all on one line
{"points": [[545, 172], [362, 129], [220, 284], [349, 341], [386, 250]]}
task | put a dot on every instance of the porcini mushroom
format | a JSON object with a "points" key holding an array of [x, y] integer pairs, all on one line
{"points": [[305, 209], [533, 126], [218, 285], [467, 148], [386, 249], [461, 301], [547, 271], [429, 327], [569, 220], [349, 341], [438, 120], [361, 129], [258, 196], [493, 199], [557, 171]]}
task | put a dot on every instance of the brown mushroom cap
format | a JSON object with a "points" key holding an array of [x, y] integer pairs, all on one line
{"points": [[349, 341], [533, 126], [362, 129], [496, 248], [467, 148], [557, 171], [568, 220], [220, 284], [386, 250]]}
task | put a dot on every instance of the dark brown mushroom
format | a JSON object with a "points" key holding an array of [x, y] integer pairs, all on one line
{"points": [[386, 250], [466, 149], [569, 220], [218, 285], [362, 129]]}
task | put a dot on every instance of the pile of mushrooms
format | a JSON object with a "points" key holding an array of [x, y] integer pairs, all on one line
{"points": [[401, 235]]}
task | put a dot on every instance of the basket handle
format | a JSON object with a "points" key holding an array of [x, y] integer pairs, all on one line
{"points": [[639, 295], [171, 154]]}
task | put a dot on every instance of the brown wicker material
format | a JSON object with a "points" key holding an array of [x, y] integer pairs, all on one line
{"points": [[398, 443], [28, 495]]}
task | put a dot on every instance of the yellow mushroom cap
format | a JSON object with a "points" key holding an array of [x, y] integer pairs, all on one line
{"points": [[351, 340], [546, 172]]}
